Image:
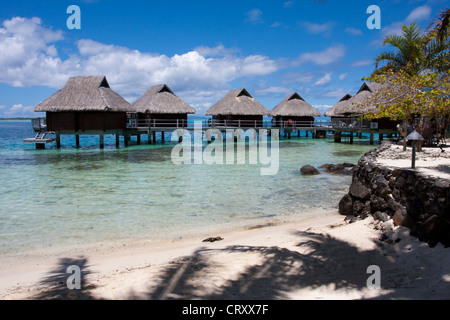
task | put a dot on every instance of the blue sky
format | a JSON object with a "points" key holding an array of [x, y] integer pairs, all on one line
{"points": [[201, 49]]}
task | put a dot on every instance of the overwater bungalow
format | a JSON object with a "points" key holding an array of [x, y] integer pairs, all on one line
{"points": [[295, 111], [160, 107], [348, 116], [238, 108], [86, 105], [337, 109], [352, 110]]}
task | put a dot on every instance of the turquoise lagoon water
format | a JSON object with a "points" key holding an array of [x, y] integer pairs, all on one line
{"points": [[83, 196]]}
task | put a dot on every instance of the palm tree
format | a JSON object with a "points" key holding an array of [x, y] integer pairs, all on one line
{"points": [[439, 29], [438, 42], [409, 55]]}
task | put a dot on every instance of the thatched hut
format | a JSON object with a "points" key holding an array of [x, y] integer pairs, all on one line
{"points": [[160, 107], [338, 108], [238, 107], [351, 108], [85, 104], [295, 110]]}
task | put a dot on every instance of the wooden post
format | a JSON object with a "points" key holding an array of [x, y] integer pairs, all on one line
{"points": [[154, 137], [381, 136], [77, 140], [58, 140], [125, 139], [351, 137], [117, 139], [371, 138], [138, 139], [149, 137], [337, 136], [162, 136], [102, 141]]}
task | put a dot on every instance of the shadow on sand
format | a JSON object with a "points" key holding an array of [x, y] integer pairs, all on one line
{"points": [[322, 261]]}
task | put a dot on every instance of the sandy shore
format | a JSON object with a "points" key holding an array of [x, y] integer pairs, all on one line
{"points": [[320, 257], [431, 161]]}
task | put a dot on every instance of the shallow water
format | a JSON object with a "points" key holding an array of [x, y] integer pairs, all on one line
{"points": [[82, 196]]}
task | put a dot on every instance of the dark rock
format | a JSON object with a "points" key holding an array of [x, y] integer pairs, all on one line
{"points": [[358, 190], [309, 170], [382, 216], [358, 207], [381, 185], [346, 205], [378, 203], [434, 230], [213, 239], [401, 218], [348, 165]]}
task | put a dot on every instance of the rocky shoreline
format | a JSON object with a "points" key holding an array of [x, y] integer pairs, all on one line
{"points": [[399, 196]]}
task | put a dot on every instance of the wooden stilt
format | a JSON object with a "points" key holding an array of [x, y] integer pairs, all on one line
{"points": [[138, 139], [154, 137], [337, 137], [162, 136], [58, 140], [117, 139], [77, 140], [351, 138], [149, 138], [102, 141], [371, 138]]}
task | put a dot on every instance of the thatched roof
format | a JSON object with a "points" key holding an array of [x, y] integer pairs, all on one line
{"points": [[237, 102], [350, 106], [87, 93], [338, 107], [161, 100], [294, 106]]}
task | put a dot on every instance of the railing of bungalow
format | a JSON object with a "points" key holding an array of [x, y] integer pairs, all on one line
{"points": [[212, 123]]}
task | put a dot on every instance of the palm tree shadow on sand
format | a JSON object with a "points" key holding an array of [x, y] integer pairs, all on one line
{"points": [[322, 261], [55, 282], [281, 272]]}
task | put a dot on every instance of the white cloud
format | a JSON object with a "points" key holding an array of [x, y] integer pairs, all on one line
{"points": [[288, 4], [17, 111], [254, 16], [343, 76], [335, 93], [29, 57], [217, 51], [324, 80], [418, 14], [354, 31], [28, 53], [269, 91], [325, 57], [362, 62], [316, 28]]}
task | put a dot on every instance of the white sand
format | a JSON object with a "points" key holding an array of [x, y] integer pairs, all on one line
{"points": [[430, 162], [320, 257]]}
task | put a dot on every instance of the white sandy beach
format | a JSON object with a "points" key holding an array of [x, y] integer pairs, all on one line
{"points": [[319, 257]]}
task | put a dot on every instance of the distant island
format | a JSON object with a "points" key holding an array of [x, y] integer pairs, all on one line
{"points": [[9, 119]]}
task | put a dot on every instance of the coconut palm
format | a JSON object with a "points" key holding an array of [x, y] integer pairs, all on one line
{"points": [[438, 42], [409, 56], [440, 27]]}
